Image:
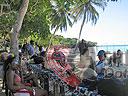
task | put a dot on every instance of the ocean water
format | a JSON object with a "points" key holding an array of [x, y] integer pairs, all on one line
{"points": [[112, 48]]}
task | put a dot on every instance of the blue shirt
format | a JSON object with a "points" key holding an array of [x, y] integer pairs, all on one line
{"points": [[100, 69], [30, 50]]}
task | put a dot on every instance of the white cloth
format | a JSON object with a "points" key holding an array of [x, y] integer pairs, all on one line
{"points": [[21, 94]]}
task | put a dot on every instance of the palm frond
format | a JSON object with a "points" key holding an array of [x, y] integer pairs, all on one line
{"points": [[69, 21], [99, 3]]}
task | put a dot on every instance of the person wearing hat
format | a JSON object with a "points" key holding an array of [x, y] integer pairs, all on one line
{"points": [[100, 66]]}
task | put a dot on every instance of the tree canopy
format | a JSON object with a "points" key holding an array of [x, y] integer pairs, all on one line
{"points": [[45, 14]]}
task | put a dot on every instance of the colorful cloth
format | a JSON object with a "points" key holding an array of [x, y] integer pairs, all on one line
{"points": [[58, 56]]}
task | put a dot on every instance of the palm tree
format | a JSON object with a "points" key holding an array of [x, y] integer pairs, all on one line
{"points": [[15, 31], [87, 10], [59, 16], [60, 13]]}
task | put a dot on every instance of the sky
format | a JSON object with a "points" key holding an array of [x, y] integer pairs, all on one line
{"points": [[111, 27]]}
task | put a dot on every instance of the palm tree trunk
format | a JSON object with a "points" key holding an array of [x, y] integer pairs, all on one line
{"points": [[81, 28], [82, 23], [50, 41], [14, 34]]}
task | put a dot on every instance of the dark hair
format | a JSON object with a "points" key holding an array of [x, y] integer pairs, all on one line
{"points": [[31, 42], [7, 62], [1, 51], [40, 48], [20, 46], [101, 52], [37, 59], [118, 50]]}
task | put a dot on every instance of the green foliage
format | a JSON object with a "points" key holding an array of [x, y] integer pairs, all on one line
{"points": [[8, 17], [58, 14], [14, 4], [58, 39], [43, 14], [88, 8], [35, 22], [6, 22], [69, 41], [35, 25], [91, 44]]}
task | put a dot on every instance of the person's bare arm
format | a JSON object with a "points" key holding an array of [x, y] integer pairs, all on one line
{"points": [[29, 77]]}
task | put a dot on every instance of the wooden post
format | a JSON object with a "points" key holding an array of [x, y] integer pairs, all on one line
{"points": [[46, 84], [56, 91], [62, 90]]}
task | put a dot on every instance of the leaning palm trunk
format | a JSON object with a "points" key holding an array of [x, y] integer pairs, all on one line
{"points": [[82, 25], [84, 18], [49, 44], [14, 34], [50, 41]]}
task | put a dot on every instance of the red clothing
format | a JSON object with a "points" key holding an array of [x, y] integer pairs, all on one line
{"points": [[58, 56], [18, 79]]}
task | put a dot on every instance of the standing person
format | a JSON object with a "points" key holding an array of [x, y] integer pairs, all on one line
{"points": [[82, 47], [114, 58], [30, 48], [100, 66], [119, 57], [36, 48], [41, 51]]}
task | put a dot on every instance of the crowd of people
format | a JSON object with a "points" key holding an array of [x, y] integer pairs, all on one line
{"points": [[32, 48], [17, 82], [17, 77], [116, 58], [104, 62]]}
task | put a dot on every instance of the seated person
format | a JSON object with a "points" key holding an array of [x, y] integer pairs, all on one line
{"points": [[100, 66], [58, 56], [39, 60], [13, 79], [31, 78], [27, 73]]}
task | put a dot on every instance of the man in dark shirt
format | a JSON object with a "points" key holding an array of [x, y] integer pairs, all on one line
{"points": [[82, 47]]}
